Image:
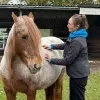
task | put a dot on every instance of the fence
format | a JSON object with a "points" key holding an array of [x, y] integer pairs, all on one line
{"points": [[3, 39]]}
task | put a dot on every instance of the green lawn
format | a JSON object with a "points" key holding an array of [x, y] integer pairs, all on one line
{"points": [[92, 89]]}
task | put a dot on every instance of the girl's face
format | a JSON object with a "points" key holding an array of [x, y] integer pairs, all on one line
{"points": [[71, 26]]}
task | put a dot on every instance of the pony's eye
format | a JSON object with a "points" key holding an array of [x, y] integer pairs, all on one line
{"points": [[25, 37]]}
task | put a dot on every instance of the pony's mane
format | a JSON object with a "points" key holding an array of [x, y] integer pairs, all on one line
{"points": [[10, 44], [32, 28]]}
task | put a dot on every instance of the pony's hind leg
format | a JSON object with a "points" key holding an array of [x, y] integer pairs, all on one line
{"points": [[54, 92], [10, 94]]}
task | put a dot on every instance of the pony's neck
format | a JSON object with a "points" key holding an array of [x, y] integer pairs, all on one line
{"points": [[9, 52], [10, 46]]}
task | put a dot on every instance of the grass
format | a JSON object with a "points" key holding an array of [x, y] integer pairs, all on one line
{"points": [[92, 89]]}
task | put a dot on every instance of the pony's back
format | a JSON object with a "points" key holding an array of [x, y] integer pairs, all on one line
{"points": [[53, 40]]}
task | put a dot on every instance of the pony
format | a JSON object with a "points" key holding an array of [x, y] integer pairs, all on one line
{"points": [[23, 66]]}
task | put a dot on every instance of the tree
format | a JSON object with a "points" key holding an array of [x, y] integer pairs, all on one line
{"points": [[61, 2], [57, 2], [3, 1]]}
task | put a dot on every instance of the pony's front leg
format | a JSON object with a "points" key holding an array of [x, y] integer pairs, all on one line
{"points": [[31, 95], [10, 94], [49, 92]]}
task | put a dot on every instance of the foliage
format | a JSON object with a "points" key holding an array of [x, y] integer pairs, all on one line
{"points": [[3, 1], [61, 2], [57, 2]]}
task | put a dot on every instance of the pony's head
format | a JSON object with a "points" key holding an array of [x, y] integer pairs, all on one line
{"points": [[27, 41]]}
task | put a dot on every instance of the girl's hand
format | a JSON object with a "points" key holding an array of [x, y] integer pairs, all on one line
{"points": [[47, 57], [46, 47]]}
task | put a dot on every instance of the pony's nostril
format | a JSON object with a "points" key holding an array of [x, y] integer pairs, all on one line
{"points": [[34, 69], [35, 65]]}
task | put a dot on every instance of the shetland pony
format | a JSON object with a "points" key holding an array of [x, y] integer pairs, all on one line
{"points": [[23, 66]]}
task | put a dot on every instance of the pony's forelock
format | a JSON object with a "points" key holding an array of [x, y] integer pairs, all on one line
{"points": [[33, 32]]}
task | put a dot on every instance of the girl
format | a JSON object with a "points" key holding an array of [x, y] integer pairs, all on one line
{"points": [[75, 56]]}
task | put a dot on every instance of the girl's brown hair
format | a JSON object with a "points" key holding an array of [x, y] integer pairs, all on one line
{"points": [[80, 20]]}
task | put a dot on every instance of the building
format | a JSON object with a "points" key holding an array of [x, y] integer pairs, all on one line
{"points": [[55, 19]]}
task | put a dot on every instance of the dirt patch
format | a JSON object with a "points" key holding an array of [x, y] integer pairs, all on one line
{"points": [[94, 65]]}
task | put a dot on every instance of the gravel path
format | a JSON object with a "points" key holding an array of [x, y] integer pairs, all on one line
{"points": [[94, 65]]}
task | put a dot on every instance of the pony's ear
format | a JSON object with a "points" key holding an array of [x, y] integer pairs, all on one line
{"points": [[31, 15], [14, 17]]}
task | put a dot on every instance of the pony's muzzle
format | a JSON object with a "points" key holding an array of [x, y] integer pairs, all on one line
{"points": [[34, 68]]}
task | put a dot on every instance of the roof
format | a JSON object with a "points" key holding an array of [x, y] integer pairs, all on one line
{"points": [[89, 5], [17, 6], [45, 16]]}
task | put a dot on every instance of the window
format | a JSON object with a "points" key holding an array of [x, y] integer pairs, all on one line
{"points": [[3, 37]]}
